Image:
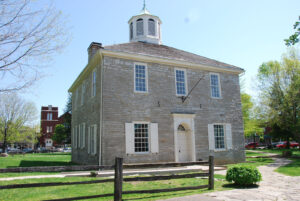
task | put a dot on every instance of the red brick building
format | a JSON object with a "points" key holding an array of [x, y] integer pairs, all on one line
{"points": [[49, 119]]}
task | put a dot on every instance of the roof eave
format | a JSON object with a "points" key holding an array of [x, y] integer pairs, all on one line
{"points": [[168, 61], [97, 58]]}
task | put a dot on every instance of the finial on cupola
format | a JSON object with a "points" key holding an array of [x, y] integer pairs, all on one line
{"points": [[144, 7]]}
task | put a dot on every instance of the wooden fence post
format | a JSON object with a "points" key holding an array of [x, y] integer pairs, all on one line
{"points": [[118, 179], [211, 173]]}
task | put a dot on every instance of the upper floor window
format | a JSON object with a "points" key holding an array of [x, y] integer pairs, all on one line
{"points": [[215, 85], [131, 30], [94, 83], [219, 136], [139, 27], [82, 92], [180, 77], [151, 27], [140, 78], [49, 116]]}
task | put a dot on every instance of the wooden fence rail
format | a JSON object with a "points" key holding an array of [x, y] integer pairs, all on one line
{"points": [[118, 179]]}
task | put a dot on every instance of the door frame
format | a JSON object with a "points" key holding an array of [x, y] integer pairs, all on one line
{"points": [[184, 119]]}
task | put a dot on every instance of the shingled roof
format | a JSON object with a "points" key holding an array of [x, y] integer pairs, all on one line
{"points": [[163, 51]]}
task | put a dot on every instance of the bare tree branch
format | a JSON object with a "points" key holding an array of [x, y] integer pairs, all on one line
{"points": [[27, 36]]}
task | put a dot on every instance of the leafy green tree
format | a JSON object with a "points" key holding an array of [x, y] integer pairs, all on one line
{"points": [[293, 39], [15, 113], [60, 134], [280, 90], [251, 121]]}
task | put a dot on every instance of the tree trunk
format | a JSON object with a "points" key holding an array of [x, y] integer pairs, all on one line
{"points": [[4, 140], [288, 143]]}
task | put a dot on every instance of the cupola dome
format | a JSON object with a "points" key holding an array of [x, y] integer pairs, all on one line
{"points": [[145, 27]]}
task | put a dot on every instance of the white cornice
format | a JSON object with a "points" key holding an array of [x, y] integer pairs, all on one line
{"points": [[97, 58], [168, 61]]}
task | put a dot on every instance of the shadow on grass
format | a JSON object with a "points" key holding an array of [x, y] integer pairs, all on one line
{"points": [[26, 163], [52, 154], [240, 187]]}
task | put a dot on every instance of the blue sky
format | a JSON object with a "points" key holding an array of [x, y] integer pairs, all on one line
{"points": [[238, 32]]}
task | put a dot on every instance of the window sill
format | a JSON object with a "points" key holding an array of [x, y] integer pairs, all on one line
{"points": [[220, 150], [218, 98], [141, 92]]}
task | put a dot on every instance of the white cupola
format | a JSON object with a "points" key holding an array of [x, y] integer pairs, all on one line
{"points": [[145, 27]]}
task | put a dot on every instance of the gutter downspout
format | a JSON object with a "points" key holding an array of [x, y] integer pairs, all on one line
{"points": [[101, 110]]}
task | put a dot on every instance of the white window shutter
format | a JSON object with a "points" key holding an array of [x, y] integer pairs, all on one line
{"points": [[129, 138], [211, 137], [228, 136], [154, 138], [89, 140], [83, 138], [95, 139]]}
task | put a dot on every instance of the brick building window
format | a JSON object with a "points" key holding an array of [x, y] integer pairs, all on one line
{"points": [[49, 116]]}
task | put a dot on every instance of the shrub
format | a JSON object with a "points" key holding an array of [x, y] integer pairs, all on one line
{"points": [[93, 174], [243, 176]]}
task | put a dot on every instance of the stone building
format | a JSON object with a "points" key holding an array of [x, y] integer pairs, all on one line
{"points": [[147, 102]]}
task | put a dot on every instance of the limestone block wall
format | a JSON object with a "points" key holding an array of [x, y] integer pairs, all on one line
{"points": [[88, 113], [121, 105]]}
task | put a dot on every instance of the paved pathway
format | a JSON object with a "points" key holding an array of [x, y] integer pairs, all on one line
{"points": [[108, 173], [274, 187]]}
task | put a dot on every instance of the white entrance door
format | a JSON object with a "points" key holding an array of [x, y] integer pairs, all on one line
{"points": [[184, 137], [184, 146]]}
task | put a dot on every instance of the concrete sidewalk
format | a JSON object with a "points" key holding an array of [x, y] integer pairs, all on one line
{"points": [[192, 198], [109, 173]]}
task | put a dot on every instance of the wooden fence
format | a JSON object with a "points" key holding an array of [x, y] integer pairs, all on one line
{"points": [[118, 178]]}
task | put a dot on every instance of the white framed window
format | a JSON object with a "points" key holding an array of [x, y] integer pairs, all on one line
{"points": [[75, 137], [220, 137], [151, 27], [92, 139], [82, 135], [180, 82], [82, 93], [140, 27], [140, 78], [94, 77], [49, 116], [141, 137], [215, 86]]}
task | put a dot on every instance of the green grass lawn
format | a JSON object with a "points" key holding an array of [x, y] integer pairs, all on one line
{"points": [[296, 152], [292, 169], [42, 193], [31, 160], [254, 162], [250, 153]]}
